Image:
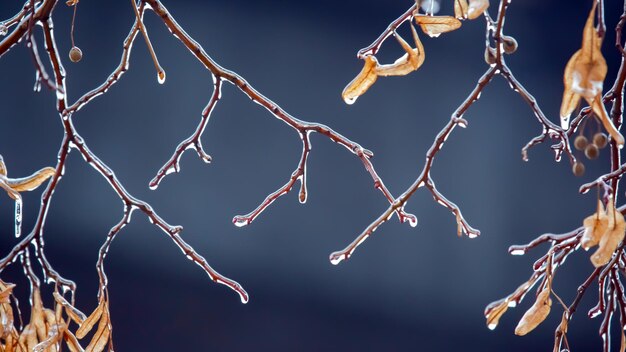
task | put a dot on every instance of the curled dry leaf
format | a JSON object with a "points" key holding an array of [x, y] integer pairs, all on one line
{"points": [[71, 2], [72, 342], [494, 312], [102, 335], [622, 347], [584, 77], [460, 9], [435, 25], [536, 314], [476, 8], [595, 226], [31, 182], [409, 62], [611, 239], [406, 64], [362, 82], [6, 289], [76, 315], [90, 321]]}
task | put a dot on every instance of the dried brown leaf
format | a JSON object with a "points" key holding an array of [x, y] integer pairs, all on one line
{"points": [[5, 292], [75, 314], [622, 347], [6, 318], [91, 320], [611, 239], [3, 170], [460, 9], [72, 342], [476, 8], [101, 337], [595, 226], [494, 312], [600, 110], [536, 314], [31, 182], [361, 83], [28, 337], [435, 25], [409, 62], [71, 2]]}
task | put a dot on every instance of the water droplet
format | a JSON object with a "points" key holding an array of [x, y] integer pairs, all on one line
{"points": [[240, 221], [337, 258], [349, 100], [472, 235], [492, 326], [18, 217], [161, 76], [518, 252], [3, 30]]}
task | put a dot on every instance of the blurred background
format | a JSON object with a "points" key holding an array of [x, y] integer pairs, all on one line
{"points": [[405, 288]]}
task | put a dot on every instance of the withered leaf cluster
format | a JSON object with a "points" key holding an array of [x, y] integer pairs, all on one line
{"points": [[413, 59], [606, 229], [49, 330], [584, 77]]}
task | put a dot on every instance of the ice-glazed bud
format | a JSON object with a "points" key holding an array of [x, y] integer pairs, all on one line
{"points": [[75, 54], [580, 143], [600, 140], [592, 152], [578, 169], [536, 314], [490, 55], [509, 44]]}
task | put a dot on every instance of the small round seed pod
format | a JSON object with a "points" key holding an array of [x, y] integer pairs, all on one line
{"points": [[578, 169], [490, 55], [600, 140], [75, 54], [509, 44], [580, 143], [592, 151]]}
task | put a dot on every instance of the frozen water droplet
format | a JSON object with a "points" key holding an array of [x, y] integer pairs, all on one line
{"points": [[18, 217], [412, 221], [492, 326], [518, 252], [171, 169], [430, 6], [60, 94], [512, 304], [240, 221], [349, 100], [3, 30], [337, 258], [472, 235], [153, 186], [161, 76]]}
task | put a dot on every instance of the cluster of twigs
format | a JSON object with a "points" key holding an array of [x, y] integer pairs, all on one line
{"points": [[50, 328], [584, 77]]}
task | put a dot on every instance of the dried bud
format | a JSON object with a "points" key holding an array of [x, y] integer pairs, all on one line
{"points": [[536, 314], [509, 44], [75, 54], [611, 239], [494, 312], [595, 226], [490, 55], [578, 169], [580, 142], [592, 152], [600, 140]]}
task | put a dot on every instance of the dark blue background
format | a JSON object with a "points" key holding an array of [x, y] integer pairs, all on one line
{"points": [[405, 288]]}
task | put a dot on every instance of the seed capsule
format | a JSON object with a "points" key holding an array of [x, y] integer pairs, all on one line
{"points": [[600, 140], [580, 143], [75, 54], [490, 55], [592, 152], [578, 169], [509, 44]]}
